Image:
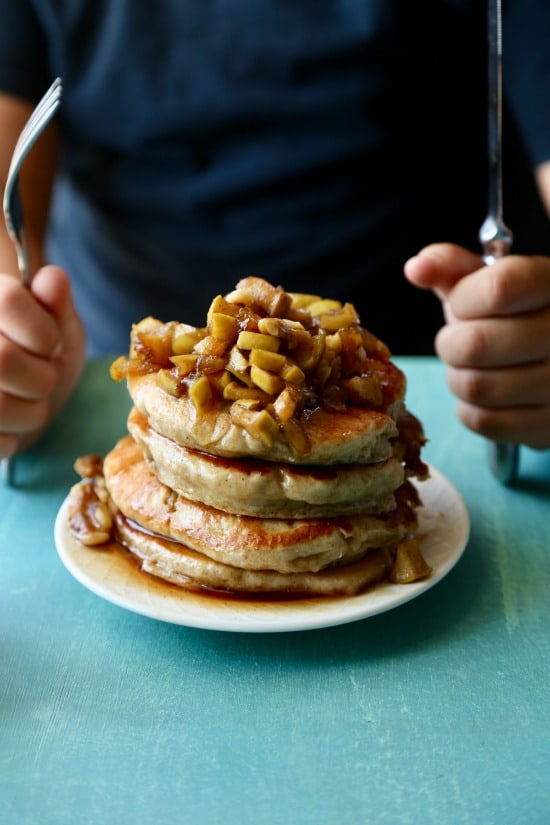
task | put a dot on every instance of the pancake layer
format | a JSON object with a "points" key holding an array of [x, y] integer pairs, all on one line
{"points": [[186, 568], [267, 489], [282, 545], [356, 435]]}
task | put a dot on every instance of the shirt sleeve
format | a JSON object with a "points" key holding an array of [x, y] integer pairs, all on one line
{"points": [[23, 51], [526, 72]]}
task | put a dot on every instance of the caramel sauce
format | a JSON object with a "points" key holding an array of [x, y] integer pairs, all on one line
{"points": [[251, 466], [128, 563], [135, 574]]}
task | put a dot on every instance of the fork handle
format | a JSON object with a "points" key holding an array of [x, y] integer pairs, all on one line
{"points": [[7, 471]]}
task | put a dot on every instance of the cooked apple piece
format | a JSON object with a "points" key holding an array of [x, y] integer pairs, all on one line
{"points": [[224, 327], [237, 363], [156, 343], [201, 394], [235, 391], [309, 353], [269, 382], [169, 382], [184, 338], [323, 371], [240, 296], [267, 360], [291, 333], [295, 436], [333, 320], [302, 300], [219, 381], [258, 423], [257, 340], [210, 346], [208, 364], [333, 343], [185, 363], [285, 405], [352, 352], [364, 390], [323, 305], [120, 368], [374, 346], [273, 300], [409, 565], [292, 373]]}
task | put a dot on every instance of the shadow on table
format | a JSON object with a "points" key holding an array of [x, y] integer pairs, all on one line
{"points": [[455, 607]]}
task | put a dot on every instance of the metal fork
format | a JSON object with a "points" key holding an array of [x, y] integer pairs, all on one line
{"points": [[495, 237], [13, 210]]}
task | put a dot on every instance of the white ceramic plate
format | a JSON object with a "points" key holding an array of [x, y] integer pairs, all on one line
{"points": [[443, 533]]}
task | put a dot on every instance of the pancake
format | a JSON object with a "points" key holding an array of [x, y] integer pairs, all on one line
{"points": [[356, 435], [281, 545], [186, 568], [269, 451], [264, 488]]}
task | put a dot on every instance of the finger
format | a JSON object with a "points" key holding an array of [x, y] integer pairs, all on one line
{"points": [[24, 320], [440, 266], [511, 285], [23, 374], [495, 342], [20, 416], [524, 425], [52, 288], [526, 385], [8, 444]]}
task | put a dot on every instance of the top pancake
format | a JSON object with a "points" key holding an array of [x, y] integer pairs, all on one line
{"points": [[355, 435], [283, 377]]}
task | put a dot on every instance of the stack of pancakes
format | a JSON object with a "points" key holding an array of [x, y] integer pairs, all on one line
{"points": [[267, 452]]}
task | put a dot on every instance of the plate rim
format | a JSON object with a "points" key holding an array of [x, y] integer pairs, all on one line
{"points": [[185, 609]]}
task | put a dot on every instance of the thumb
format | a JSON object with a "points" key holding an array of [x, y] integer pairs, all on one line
{"points": [[51, 287]]}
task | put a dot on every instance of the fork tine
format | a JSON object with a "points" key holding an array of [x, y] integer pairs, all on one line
{"points": [[19, 157], [23, 147], [34, 125], [47, 109], [53, 93], [43, 112]]}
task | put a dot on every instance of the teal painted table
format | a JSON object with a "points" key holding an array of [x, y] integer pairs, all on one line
{"points": [[435, 712]]}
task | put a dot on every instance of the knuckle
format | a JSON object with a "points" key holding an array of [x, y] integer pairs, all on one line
{"points": [[6, 349], [499, 286], [470, 385], [463, 344], [475, 344], [19, 416], [6, 403], [479, 419], [25, 376]]}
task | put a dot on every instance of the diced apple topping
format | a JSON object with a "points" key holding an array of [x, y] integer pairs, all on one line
{"points": [[268, 354]]}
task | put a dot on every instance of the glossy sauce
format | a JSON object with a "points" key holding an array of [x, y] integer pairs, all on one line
{"points": [[135, 575]]}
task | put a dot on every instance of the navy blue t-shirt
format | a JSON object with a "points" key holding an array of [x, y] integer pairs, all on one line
{"points": [[317, 143]]}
